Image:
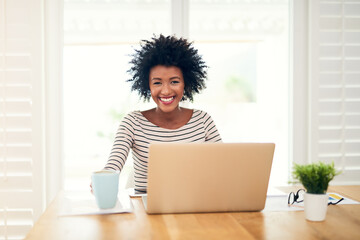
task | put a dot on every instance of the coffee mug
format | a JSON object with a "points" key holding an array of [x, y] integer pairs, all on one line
{"points": [[105, 185]]}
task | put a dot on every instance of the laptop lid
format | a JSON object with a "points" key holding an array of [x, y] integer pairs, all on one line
{"points": [[208, 177]]}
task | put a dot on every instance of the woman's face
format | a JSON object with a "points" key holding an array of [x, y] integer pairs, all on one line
{"points": [[166, 87]]}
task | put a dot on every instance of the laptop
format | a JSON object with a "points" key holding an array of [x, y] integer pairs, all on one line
{"points": [[207, 177]]}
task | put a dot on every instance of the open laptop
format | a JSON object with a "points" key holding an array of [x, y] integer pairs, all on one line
{"points": [[208, 177]]}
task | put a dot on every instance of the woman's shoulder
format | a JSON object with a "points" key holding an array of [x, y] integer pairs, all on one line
{"points": [[133, 116], [200, 113]]}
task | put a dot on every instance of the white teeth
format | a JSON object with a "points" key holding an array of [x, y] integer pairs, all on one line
{"points": [[167, 99]]}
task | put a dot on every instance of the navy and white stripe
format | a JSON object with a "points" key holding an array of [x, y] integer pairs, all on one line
{"points": [[136, 132]]}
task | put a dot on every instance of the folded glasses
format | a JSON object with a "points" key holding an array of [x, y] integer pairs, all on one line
{"points": [[298, 197]]}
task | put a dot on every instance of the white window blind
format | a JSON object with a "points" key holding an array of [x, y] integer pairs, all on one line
{"points": [[21, 116], [335, 86]]}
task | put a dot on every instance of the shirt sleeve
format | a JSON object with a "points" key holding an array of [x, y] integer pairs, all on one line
{"points": [[211, 132], [124, 140]]}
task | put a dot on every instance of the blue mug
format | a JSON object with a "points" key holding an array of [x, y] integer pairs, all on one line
{"points": [[105, 185]]}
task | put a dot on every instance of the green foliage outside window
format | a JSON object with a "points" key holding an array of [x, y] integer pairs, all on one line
{"points": [[116, 116], [241, 89]]}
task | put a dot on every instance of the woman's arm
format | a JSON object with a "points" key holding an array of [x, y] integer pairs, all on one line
{"points": [[123, 142], [211, 132]]}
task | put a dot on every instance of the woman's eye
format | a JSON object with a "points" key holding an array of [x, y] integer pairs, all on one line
{"points": [[175, 82], [156, 83]]}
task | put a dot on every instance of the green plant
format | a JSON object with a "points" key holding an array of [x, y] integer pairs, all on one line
{"points": [[315, 177]]}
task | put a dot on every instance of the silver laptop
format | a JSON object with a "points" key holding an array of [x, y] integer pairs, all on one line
{"points": [[208, 177]]}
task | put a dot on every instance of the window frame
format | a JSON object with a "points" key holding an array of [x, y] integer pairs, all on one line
{"points": [[54, 167], [298, 111]]}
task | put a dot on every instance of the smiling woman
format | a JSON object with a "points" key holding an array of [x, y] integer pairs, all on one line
{"points": [[158, 70]]}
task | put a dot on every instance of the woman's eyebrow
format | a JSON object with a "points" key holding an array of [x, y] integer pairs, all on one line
{"points": [[158, 78]]}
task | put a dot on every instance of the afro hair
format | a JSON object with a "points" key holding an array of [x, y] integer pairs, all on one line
{"points": [[167, 51]]}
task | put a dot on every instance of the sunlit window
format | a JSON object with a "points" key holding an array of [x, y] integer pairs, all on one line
{"points": [[245, 44]]}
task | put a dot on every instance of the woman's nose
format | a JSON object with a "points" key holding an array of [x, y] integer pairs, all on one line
{"points": [[165, 89]]}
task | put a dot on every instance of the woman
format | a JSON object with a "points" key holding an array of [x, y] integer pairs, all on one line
{"points": [[169, 70]]}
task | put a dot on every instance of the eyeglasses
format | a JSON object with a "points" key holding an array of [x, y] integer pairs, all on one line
{"points": [[298, 197]]}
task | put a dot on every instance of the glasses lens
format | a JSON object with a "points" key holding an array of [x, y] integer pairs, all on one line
{"points": [[291, 198], [300, 195]]}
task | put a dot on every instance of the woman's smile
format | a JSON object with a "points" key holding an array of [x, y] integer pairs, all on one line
{"points": [[167, 100]]}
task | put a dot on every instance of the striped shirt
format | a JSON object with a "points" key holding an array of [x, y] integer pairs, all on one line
{"points": [[136, 132]]}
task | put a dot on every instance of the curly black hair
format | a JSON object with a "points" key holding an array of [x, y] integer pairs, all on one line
{"points": [[167, 51]]}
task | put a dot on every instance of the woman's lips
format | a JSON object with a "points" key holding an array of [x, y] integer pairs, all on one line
{"points": [[167, 100]]}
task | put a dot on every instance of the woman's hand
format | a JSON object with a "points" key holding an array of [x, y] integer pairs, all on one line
{"points": [[91, 189]]}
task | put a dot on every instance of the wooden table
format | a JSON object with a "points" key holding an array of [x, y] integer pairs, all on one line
{"points": [[342, 222]]}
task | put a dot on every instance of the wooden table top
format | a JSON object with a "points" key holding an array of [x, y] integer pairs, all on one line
{"points": [[342, 222]]}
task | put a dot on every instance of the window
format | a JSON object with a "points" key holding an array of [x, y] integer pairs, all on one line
{"points": [[244, 43]]}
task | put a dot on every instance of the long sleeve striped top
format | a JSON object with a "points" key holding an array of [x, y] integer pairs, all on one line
{"points": [[136, 132]]}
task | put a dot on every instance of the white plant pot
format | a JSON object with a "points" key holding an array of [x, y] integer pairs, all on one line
{"points": [[315, 206]]}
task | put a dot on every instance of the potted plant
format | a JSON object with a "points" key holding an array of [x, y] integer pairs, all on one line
{"points": [[315, 178]]}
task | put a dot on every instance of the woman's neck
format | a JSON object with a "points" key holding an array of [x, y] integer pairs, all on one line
{"points": [[169, 116], [169, 120]]}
